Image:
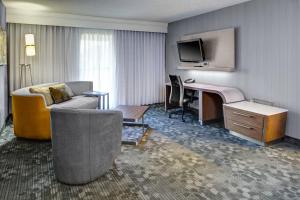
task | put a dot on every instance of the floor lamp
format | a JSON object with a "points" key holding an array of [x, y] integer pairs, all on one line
{"points": [[29, 51]]}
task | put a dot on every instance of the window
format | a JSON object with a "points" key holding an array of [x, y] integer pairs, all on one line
{"points": [[97, 60]]}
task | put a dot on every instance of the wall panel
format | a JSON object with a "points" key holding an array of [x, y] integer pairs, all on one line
{"points": [[267, 52]]}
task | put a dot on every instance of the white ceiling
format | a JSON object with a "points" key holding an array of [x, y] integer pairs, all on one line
{"points": [[146, 10]]}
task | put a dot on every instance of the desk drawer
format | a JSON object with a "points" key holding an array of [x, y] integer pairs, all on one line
{"points": [[244, 117], [245, 129]]}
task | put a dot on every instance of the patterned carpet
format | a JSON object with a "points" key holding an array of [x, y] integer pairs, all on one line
{"points": [[178, 161], [134, 135]]}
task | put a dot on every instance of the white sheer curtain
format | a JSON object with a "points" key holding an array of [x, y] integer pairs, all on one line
{"points": [[97, 60], [57, 55], [140, 59], [129, 65]]}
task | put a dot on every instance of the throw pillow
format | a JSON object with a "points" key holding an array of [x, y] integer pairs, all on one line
{"points": [[64, 86], [59, 95], [69, 91], [45, 92]]}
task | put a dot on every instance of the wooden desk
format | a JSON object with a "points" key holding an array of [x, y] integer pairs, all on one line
{"points": [[211, 99]]}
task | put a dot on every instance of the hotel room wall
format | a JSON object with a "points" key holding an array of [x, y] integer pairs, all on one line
{"points": [[3, 75], [267, 52]]}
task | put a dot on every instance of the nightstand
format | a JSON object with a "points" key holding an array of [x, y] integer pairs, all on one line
{"points": [[256, 122]]}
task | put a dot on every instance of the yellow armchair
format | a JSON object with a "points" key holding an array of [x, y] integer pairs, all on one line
{"points": [[31, 117]]}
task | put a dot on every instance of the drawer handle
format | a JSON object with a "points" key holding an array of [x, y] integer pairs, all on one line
{"points": [[243, 126], [242, 114]]}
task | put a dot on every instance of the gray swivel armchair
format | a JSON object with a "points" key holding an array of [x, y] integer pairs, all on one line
{"points": [[178, 97], [85, 143]]}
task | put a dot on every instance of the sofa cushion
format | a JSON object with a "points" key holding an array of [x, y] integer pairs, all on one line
{"points": [[63, 86], [45, 92], [78, 102], [59, 95], [78, 87], [69, 91]]}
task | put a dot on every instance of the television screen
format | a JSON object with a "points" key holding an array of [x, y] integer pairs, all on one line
{"points": [[191, 51]]}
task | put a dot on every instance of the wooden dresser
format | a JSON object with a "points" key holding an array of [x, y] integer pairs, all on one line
{"points": [[259, 123]]}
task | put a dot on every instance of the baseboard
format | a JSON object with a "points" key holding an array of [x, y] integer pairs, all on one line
{"points": [[246, 138], [7, 122], [292, 140], [286, 139], [2, 128], [212, 121]]}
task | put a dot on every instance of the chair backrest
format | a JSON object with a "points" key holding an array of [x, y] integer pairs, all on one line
{"points": [[177, 90], [78, 87], [85, 142]]}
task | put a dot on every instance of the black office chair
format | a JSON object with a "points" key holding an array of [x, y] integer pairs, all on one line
{"points": [[178, 98], [191, 94]]}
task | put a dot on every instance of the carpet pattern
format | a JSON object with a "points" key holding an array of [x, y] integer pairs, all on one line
{"points": [[178, 161], [130, 135], [133, 135]]}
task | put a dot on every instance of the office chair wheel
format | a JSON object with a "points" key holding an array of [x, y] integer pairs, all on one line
{"points": [[182, 119], [182, 115]]}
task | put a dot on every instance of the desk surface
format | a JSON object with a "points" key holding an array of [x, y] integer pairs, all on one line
{"points": [[228, 94], [257, 108]]}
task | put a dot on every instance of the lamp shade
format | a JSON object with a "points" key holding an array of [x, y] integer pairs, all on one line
{"points": [[29, 45], [30, 50], [29, 39]]}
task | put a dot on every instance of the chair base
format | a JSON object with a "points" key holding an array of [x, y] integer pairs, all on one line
{"points": [[178, 112]]}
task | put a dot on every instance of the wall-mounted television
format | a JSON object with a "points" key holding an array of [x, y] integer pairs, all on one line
{"points": [[191, 50]]}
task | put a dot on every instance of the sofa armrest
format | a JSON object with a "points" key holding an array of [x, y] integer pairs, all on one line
{"points": [[31, 117]]}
